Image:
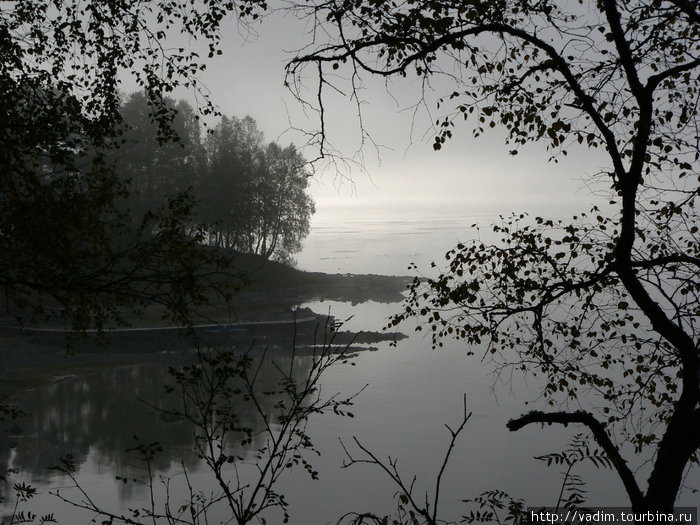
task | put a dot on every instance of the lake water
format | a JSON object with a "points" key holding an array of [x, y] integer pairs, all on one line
{"points": [[412, 392], [383, 238]]}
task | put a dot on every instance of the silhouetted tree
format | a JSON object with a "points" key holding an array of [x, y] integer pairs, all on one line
{"points": [[152, 168], [255, 194], [227, 196], [59, 114], [284, 207], [605, 305]]}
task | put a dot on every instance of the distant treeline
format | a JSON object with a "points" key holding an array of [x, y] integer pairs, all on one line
{"points": [[251, 195]]}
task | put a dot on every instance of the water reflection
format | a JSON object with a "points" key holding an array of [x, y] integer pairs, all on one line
{"points": [[97, 417]]}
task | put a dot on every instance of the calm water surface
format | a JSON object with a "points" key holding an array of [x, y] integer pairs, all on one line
{"points": [[412, 392]]}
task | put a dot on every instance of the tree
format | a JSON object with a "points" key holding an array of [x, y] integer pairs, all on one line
{"points": [[154, 170], [605, 306], [234, 157], [59, 115], [251, 196], [285, 208], [253, 193]]}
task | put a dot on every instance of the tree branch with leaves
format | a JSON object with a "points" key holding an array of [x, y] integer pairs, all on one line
{"points": [[604, 304]]}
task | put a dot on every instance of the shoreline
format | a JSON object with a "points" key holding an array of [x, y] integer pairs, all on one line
{"points": [[265, 314]]}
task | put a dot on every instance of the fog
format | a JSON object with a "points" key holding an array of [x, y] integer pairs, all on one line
{"points": [[270, 288], [396, 162]]}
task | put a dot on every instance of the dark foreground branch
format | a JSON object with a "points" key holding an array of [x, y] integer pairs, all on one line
{"points": [[601, 436], [407, 496]]}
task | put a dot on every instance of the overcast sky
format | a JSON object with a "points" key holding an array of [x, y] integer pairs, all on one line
{"points": [[248, 80]]}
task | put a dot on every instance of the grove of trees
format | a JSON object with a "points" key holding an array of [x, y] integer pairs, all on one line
{"points": [[254, 192], [251, 196], [63, 241]]}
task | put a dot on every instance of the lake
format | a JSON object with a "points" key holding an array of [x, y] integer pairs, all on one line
{"points": [[412, 392]]}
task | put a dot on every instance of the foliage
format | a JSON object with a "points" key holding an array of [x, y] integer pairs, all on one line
{"points": [[603, 304], [59, 114], [77, 51], [254, 194], [572, 495], [491, 503], [491, 506], [251, 196], [23, 494], [151, 168]]}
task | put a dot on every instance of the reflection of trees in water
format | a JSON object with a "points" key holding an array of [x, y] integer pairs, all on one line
{"points": [[97, 414], [96, 417]]}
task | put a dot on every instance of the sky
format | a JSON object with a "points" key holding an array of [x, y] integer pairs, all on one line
{"points": [[248, 79]]}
